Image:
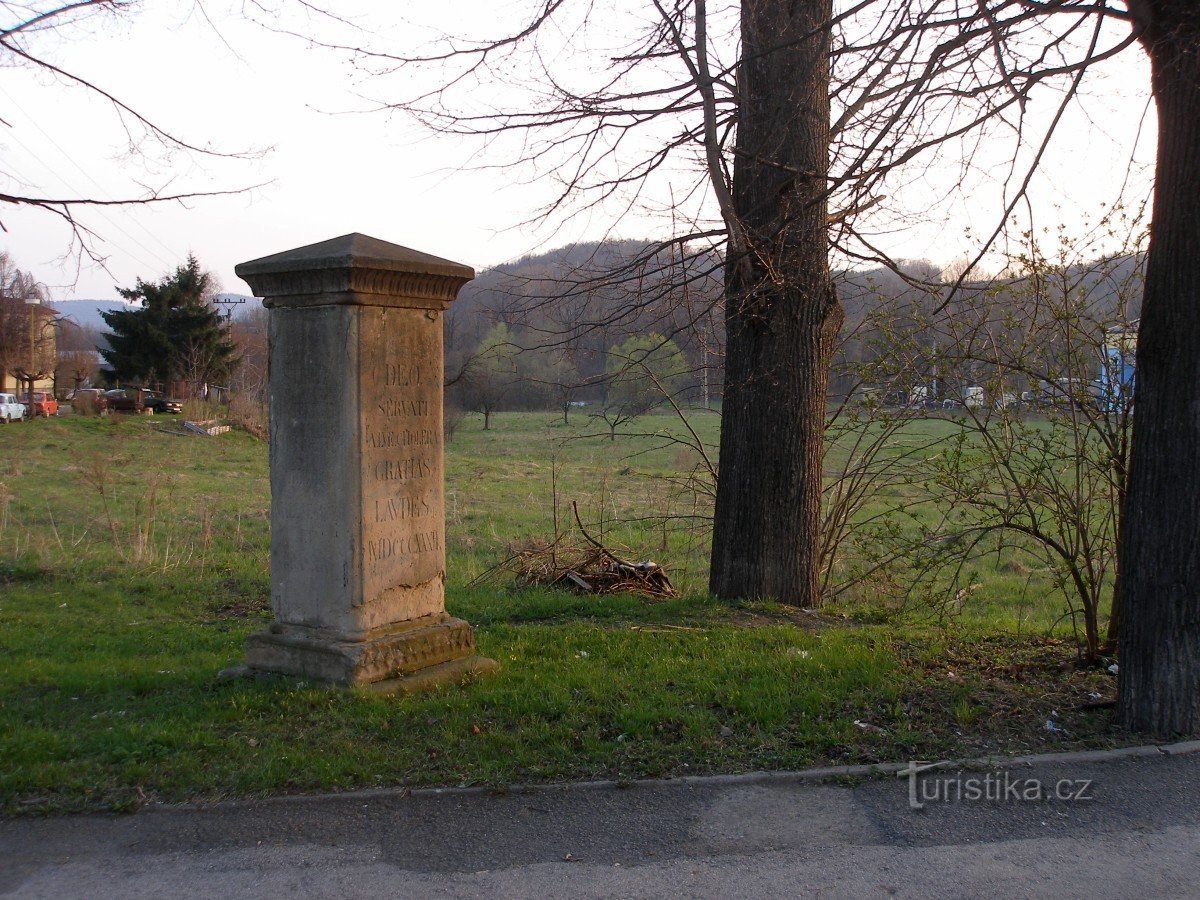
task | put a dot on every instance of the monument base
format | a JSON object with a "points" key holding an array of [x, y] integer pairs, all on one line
{"points": [[435, 676], [422, 646]]}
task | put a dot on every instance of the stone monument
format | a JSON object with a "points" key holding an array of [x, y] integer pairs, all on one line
{"points": [[358, 548]]}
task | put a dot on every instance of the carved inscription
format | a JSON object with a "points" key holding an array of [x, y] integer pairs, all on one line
{"points": [[397, 375], [393, 509], [387, 548], [402, 469], [393, 476], [385, 437], [395, 407], [402, 506]]}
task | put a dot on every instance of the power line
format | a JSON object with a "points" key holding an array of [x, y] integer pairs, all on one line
{"points": [[67, 156], [165, 261], [99, 213]]}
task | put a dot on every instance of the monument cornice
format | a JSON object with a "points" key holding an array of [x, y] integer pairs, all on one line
{"points": [[355, 270]]}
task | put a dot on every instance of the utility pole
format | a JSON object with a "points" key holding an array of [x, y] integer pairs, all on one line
{"points": [[227, 302]]}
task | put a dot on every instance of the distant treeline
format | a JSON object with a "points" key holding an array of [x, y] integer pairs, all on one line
{"points": [[569, 309]]}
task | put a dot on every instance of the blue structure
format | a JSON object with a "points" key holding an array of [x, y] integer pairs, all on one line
{"points": [[1117, 366]]}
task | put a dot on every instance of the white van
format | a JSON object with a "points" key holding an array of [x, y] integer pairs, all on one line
{"points": [[10, 409]]}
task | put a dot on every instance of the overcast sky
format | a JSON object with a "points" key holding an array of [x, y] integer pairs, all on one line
{"points": [[324, 171]]}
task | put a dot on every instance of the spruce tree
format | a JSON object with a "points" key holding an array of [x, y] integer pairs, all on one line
{"points": [[176, 334]]}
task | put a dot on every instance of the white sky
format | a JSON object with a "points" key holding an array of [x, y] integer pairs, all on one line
{"points": [[328, 174]]}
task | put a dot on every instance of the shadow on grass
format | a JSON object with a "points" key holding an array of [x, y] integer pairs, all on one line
{"points": [[498, 604], [22, 571]]}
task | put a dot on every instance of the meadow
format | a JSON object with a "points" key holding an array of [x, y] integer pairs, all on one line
{"points": [[134, 561]]}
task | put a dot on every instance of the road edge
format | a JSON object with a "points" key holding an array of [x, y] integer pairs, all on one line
{"points": [[814, 775]]}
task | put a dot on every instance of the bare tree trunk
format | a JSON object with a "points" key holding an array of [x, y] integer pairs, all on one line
{"points": [[782, 313], [1159, 689], [1113, 634]]}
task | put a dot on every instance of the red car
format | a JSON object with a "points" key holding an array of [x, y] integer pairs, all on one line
{"points": [[43, 404]]}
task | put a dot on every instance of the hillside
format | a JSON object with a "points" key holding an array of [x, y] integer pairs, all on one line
{"points": [[87, 313]]}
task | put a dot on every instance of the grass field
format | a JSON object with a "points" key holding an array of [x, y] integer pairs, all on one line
{"points": [[134, 561]]}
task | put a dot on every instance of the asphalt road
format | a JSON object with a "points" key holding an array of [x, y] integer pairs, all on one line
{"points": [[1133, 830]]}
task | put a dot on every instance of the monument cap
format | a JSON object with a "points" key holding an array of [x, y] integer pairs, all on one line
{"points": [[355, 269]]}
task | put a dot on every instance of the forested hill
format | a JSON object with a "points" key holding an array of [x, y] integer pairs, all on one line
{"points": [[572, 305], [624, 287]]}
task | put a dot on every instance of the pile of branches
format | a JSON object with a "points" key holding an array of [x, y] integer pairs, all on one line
{"points": [[593, 569]]}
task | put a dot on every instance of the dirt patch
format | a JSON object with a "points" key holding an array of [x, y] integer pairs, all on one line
{"points": [[238, 603], [1009, 694], [243, 609]]}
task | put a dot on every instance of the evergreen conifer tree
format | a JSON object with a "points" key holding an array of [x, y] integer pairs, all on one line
{"points": [[177, 335]]}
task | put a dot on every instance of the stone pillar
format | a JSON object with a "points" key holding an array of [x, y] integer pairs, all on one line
{"points": [[358, 544]]}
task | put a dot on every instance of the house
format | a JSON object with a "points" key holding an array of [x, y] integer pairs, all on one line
{"points": [[28, 345]]}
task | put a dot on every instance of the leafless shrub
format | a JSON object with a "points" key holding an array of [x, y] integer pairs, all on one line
{"points": [[452, 417], [1037, 464], [249, 414]]}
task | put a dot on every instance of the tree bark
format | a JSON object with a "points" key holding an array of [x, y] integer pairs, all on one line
{"points": [[782, 313], [1159, 685]]}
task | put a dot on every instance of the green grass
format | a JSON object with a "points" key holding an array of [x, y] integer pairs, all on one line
{"points": [[134, 562]]}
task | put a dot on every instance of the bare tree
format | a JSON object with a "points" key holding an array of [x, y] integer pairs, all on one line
{"points": [[24, 27], [782, 314], [774, 127], [248, 390], [562, 380], [492, 375], [799, 118], [76, 367], [1160, 637]]}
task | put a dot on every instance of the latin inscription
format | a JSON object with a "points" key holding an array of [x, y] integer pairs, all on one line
{"points": [[399, 375], [408, 545], [397, 509], [402, 534], [394, 407], [390, 438], [402, 469]]}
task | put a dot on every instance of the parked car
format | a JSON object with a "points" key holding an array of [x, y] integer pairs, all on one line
{"points": [[138, 400], [126, 400], [89, 400], [11, 409], [43, 404], [160, 403]]}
